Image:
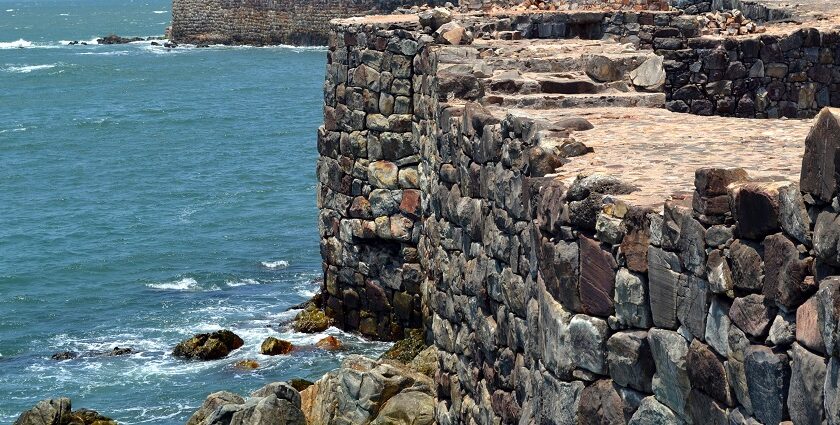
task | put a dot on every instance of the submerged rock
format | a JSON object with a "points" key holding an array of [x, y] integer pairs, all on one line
{"points": [[247, 364], [209, 346], [64, 355], [274, 347], [59, 412], [115, 39], [311, 320]]}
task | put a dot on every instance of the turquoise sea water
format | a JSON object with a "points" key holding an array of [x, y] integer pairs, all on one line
{"points": [[148, 194]]}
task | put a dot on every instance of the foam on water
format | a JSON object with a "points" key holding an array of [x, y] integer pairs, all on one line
{"points": [[278, 264], [159, 12], [242, 282], [183, 284], [19, 44], [25, 69]]}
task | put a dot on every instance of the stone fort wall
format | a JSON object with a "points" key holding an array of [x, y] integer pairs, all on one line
{"points": [[561, 304]]}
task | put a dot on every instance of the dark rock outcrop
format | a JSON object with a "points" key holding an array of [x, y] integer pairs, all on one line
{"points": [[208, 346]]}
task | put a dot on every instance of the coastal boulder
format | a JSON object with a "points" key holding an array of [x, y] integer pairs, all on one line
{"points": [[311, 320], [329, 343], [212, 403], [208, 346], [274, 404], [59, 412], [274, 347]]}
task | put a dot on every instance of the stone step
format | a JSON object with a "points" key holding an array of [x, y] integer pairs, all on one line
{"points": [[514, 82], [548, 101]]}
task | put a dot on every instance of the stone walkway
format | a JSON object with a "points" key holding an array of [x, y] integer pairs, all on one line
{"points": [[658, 150]]}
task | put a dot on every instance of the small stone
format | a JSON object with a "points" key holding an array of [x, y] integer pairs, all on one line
{"points": [[631, 300], [247, 364], [768, 377], [452, 33], [707, 373], [602, 68], [703, 409], [274, 347], [630, 361], [782, 330], [652, 411], [664, 283], [600, 403], [692, 305], [384, 175], [746, 265], [719, 274]]}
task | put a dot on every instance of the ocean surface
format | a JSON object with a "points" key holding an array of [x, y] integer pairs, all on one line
{"points": [[147, 194]]}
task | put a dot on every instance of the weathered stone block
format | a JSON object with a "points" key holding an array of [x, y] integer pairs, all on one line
{"points": [[719, 274], [768, 380], [707, 373], [805, 396], [808, 329], [819, 176], [827, 238], [717, 326], [652, 411], [832, 391], [597, 278], [702, 409], [664, 283], [785, 273], [747, 265], [710, 182], [757, 209], [631, 300], [671, 383], [601, 404], [559, 265], [753, 315], [630, 361], [828, 313], [692, 305], [588, 336]]}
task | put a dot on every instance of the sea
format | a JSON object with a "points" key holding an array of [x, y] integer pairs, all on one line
{"points": [[148, 194]]}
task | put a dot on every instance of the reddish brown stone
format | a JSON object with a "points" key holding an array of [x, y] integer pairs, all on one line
{"points": [[410, 203], [600, 404], [706, 372], [715, 205], [360, 208], [753, 315], [597, 278], [377, 299], [636, 240], [807, 326], [713, 181]]}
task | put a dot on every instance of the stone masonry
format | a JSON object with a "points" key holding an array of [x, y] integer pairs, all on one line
{"points": [[468, 189]]}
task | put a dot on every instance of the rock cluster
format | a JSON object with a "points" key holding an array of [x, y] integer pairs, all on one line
{"points": [[274, 404], [59, 412], [370, 392], [728, 23]]}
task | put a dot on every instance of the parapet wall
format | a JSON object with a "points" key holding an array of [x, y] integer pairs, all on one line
{"points": [[563, 303]]}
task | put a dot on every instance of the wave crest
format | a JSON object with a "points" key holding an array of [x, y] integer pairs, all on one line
{"points": [[19, 44], [279, 264]]}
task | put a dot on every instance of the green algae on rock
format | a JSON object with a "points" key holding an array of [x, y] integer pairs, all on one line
{"points": [[311, 320], [273, 346], [405, 350]]}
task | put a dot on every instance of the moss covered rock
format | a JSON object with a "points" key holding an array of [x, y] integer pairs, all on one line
{"points": [[274, 347], [311, 320], [209, 346], [405, 350]]}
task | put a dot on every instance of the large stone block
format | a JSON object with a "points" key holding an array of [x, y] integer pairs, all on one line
{"points": [[808, 329], [828, 314], [717, 326], [664, 284], [588, 336], [710, 182], [719, 274], [832, 391], [692, 305], [747, 265], [597, 278], [753, 315], [559, 266], [819, 176], [827, 238], [652, 411], [785, 273], [684, 235], [601, 404], [756, 209], [671, 383], [630, 361], [805, 396], [703, 409], [707, 373], [768, 379], [556, 402]]}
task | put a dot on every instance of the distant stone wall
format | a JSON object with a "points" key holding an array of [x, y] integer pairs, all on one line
{"points": [[263, 22]]}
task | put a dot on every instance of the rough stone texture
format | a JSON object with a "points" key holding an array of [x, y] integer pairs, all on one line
{"points": [[601, 404], [707, 373], [597, 278], [752, 315], [786, 273], [630, 361], [208, 346], [671, 383], [768, 380], [805, 397], [652, 411], [832, 391], [819, 174], [588, 336], [632, 308], [828, 314]]}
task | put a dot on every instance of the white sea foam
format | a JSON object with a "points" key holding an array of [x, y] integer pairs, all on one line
{"points": [[279, 264], [185, 284], [19, 44], [28, 68], [63, 14], [10, 10], [159, 12], [113, 53], [242, 282], [13, 130]]}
